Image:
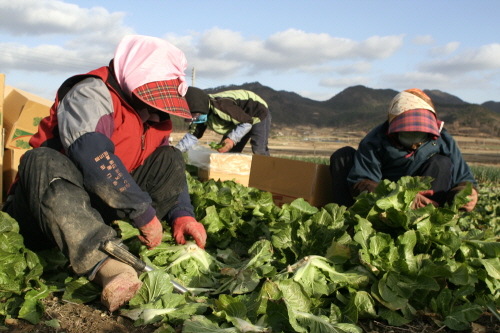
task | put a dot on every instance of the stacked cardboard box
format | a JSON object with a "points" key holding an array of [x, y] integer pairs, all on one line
{"points": [[22, 112]]}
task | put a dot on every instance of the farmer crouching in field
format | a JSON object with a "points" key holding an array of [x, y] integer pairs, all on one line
{"points": [[103, 155], [238, 115], [412, 142]]}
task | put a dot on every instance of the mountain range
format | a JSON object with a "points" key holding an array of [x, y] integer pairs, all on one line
{"points": [[359, 108]]}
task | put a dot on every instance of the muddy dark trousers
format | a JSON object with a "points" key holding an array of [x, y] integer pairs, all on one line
{"points": [[440, 168], [53, 208], [258, 136]]}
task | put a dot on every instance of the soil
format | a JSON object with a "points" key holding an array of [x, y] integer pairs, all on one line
{"points": [[78, 318], [94, 318]]}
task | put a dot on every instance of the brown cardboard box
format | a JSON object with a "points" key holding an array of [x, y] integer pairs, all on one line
{"points": [[226, 166], [22, 114], [288, 180], [11, 158]]}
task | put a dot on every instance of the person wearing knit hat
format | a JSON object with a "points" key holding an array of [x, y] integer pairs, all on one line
{"points": [[102, 155], [412, 142]]}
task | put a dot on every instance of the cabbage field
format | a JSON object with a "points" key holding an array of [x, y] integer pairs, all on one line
{"points": [[294, 268]]}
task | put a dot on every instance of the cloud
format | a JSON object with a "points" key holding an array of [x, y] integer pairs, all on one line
{"points": [[86, 38], [42, 17], [423, 40], [344, 82], [289, 50], [354, 68], [486, 57], [51, 58], [445, 50], [415, 80]]}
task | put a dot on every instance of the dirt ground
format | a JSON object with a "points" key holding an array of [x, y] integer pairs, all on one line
{"points": [[94, 318]]}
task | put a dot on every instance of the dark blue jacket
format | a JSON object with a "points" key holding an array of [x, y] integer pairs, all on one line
{"points": [[381, 157]]}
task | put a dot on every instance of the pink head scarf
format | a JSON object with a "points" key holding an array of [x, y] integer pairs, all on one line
{"points": [[142, 59]]}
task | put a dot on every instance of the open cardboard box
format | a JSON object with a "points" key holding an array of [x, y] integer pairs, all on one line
{"points": [[217, 166], [289, 179], [235, 167], [23, 112]]}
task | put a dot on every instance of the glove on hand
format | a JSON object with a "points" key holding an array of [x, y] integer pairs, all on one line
{"points": [[151, 233], [468, 207], [422, 200], [188, 225], [228, 145]]}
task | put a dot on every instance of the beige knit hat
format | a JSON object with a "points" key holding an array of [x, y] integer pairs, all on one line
{"points": [[410, 99]]}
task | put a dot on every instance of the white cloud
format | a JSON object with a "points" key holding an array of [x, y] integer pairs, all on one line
{"points": [[354, 68], [297, 44], [41, 17], [423, 40], [417, 79], [86, 37], [377, 47], [344, 82], [486, 57], [445, 50], [289, 50]]}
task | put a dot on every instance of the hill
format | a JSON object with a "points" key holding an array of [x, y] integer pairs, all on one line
{"points": [[493, 106], [360, 108]]}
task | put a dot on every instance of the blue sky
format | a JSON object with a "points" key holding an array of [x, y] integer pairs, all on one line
{"points": [[311, 47]]}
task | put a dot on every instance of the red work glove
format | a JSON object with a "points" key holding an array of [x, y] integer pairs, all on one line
{"points": [[422, 200], [151, 233], [468, 207], [188, 225], [228, 145]]}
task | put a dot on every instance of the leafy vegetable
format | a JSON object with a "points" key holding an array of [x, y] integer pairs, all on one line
{"points": [[216, 145], [20, 283], [296, 268]]}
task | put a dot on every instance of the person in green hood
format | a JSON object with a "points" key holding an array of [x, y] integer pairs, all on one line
{"points": [[237, 115]]}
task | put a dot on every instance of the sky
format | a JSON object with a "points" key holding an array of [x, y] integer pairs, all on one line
{"points": [[315, 48]]}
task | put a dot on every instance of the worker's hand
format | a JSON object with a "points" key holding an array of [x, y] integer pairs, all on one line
{"points": [[187, 225], [151, 233], [468, 207], [228, 145], [422, 200]]}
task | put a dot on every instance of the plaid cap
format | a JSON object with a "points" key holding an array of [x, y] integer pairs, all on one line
{"points": [[164, 96], [418, 120]]}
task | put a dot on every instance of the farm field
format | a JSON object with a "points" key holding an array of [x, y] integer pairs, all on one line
{"points": [[66, 313], [70, 317], [306, 142]]}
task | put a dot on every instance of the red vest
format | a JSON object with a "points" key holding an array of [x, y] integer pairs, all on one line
{"points": [[133, 141]]}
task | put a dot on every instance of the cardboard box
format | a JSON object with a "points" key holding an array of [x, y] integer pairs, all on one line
{"points": [[235, 167], [289, 179], [22, 114], [11, 158]]}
